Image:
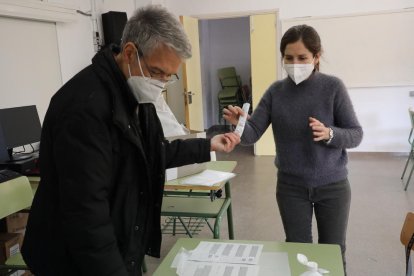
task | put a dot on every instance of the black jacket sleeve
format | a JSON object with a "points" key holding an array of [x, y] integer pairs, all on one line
{"points": [[183, 152]]}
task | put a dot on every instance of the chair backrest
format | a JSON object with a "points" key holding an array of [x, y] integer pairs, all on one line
{"points": [[411, 113], [15, 195], [228, 77]]}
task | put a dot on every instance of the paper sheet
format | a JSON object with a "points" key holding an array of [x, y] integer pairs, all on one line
{"points": [[235, 253], [191, 268], [219, 259], [207, 178]]}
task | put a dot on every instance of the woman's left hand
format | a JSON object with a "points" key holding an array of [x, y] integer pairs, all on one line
{"points": [[319, 130]]}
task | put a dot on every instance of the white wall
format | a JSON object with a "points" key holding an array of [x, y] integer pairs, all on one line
{"points": [[75, 38], [75, 43], [287, 8], [224, 43], [381, 111]]}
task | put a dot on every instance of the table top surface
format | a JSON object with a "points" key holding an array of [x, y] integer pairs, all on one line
{"points": [[328, 256], [224, 166]]}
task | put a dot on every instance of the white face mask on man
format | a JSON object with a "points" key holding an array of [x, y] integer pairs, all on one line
{"points": [[145, 90], [299, 72]]}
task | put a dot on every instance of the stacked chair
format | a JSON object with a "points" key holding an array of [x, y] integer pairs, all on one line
{"points": [[231, 89]]}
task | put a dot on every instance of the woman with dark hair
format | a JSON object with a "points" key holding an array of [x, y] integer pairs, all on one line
{"points": [[313, 123]]}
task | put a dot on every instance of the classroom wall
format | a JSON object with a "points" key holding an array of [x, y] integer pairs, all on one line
{"points": [[75, 38], [381, 134]]}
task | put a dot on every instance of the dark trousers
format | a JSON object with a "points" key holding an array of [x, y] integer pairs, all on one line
{"points": [[331, 205]]}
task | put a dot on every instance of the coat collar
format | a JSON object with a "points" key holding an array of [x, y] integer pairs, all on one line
{"points": [[125, 106]]}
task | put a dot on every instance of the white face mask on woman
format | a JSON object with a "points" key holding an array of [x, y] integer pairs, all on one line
{"points": [[145, 90], [299, 72]]}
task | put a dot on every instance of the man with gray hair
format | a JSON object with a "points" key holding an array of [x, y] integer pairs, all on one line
{"points": [[103, 156]]}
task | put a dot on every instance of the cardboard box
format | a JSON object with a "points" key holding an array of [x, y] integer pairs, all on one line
{"points": [[9, 245], [182, 171], [14, 223]]}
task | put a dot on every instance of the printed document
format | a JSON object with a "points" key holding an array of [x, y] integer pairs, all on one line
{"points": [[235, 253], [219, 259]]}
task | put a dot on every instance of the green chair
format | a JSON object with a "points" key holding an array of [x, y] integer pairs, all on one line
{"points": [[228, 77], [14, 198], [15, 195], [231, 92], [185, 208]]}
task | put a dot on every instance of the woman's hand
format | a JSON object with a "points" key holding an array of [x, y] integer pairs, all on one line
{"points": [[224, 142], [231, 114], [320, 131]]}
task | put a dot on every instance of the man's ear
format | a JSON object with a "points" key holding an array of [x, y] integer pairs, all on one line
{"points": [[129, 53]]}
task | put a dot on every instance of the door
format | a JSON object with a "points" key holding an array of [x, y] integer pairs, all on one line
{"points": [[192, 78], [264, 68]]}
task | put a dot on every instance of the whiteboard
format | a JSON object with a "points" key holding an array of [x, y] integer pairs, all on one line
{"points": [[366, 50], [29, 68]]}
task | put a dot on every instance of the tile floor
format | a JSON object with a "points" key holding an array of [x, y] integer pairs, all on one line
{"points": [[378, 208]]}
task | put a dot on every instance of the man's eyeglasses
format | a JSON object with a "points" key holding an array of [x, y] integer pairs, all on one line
{"points": [[156, 73]]}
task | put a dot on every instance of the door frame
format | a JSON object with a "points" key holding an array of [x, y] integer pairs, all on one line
{"points": [[228, 16]]}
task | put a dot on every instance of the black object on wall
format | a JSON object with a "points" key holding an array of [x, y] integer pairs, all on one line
{"points": [[113, 24]]}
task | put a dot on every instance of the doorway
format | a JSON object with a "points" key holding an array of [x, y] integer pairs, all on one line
{"points": [[261, 35], [223, 43]]}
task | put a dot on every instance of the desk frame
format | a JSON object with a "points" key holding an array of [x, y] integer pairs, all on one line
{"points": [[223, 204]]}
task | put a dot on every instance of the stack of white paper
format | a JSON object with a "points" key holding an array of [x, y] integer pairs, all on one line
{"points": [[217, 259]]}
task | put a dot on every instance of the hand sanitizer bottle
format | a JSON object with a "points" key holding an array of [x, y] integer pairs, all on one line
{"points": [[312, 270]]}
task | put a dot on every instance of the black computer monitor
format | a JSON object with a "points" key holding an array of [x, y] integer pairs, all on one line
{"points": [[19, 126]]}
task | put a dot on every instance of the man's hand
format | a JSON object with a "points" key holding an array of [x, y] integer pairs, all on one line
{"points": [[224, 142]]}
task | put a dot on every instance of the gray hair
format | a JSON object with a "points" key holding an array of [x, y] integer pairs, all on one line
{"points": [[152, 26]]}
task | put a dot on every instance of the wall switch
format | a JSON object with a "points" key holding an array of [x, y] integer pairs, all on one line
{"points": [[411, 93]]}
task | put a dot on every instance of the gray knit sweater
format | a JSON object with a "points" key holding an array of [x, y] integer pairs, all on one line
{"points": [[288, 106]]}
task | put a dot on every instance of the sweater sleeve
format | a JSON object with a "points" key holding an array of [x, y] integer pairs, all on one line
{"points": [[259, 121], [347, 130]]}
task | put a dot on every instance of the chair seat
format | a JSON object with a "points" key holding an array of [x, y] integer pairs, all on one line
{"points": [[13, 264], [228, 93], [227, 102], [181, 207], [16, 260], [193, 207]]}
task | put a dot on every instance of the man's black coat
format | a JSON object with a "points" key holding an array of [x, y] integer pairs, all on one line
{"points": [[102, 161]]}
